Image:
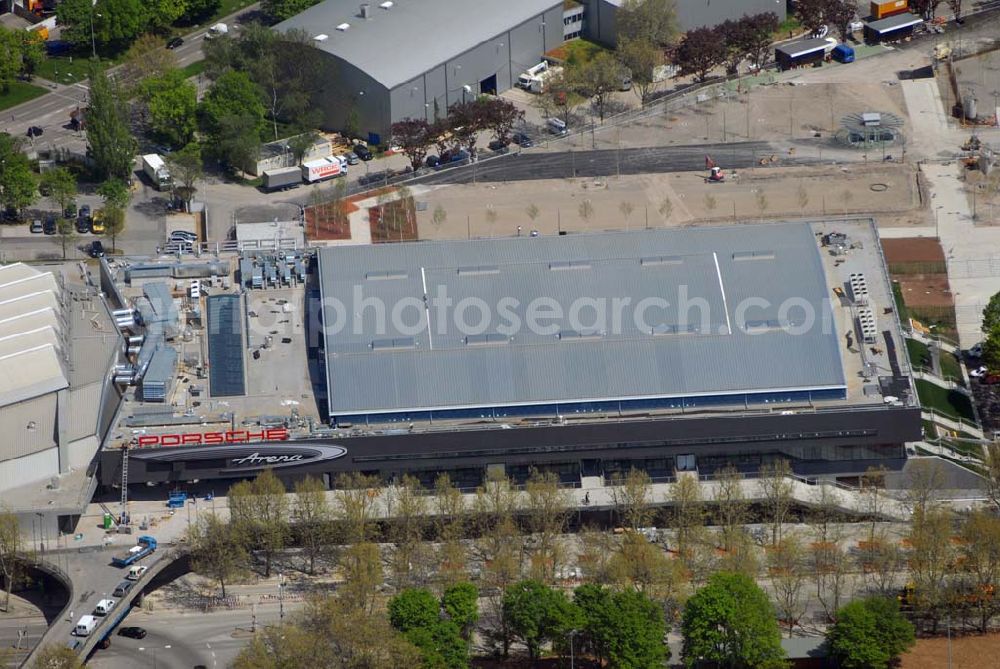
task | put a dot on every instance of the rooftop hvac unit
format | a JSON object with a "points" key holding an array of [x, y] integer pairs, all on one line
{"points": [[386, 5], [343, 27], [366, 10]]}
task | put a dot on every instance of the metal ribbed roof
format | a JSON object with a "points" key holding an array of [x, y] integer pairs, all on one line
{"points": [[398, 44], [728, 342]]}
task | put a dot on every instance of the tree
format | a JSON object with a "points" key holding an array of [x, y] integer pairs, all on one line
{"points": [[407, 508], [869, 634], [991, 314], [461, 604], [10, 56], [279, 10], [811, 13], [538, 615], [32, 53], [74, 18], [731, 506], [991, 348], [61, 185], [500, 116], [18, 184], [699, 53], [161, 14], [117, 23], [991, 471], [925, 479], [688, 511], [232, 116], [831, 573], [216, 551], [776, 487], [188, 168], [196, 10], [412, 135], [626, 628], [259, 513], [114, 192], [11, 554], [666, 208], [654, 21], [730, 621], [301, 144], [758, 34], [872, 497], [632, 497], [312, 519], [332, 635], [439, 215], [732, 34], [641, 58], [785, 568], [361, 567], [57, 656], [931, 560], [114, 223], [546, 510], [67, 233], [356, 497], [598, 79], [980, 553], [416, 613], [586, 210], [640, 565], [146, 59], [467, 120], [109, 136], [172, 103], [840, 14]]}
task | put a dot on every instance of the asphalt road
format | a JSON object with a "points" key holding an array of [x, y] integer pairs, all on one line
{"points": [[181, 640], [646, 160], [51, 111]]}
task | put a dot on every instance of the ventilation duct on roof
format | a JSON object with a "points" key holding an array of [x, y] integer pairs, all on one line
{"points": [[366, 11], [343, 27], [321, 38], [386, 5]]}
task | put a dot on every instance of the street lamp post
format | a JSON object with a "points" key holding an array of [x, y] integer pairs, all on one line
{"points": [[93, 44]]}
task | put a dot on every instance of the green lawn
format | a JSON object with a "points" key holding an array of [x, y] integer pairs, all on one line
{"points": [[951, 368], [897, 296], [65, 69], [577, 50], [920, 355], [194, 69], [950, 403], [19, 92]]}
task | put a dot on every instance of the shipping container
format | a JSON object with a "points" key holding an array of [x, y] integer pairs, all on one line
{"points": [[883, 8]]}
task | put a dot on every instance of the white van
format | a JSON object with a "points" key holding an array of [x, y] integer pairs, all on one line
{"points": [[217, 30], [104, 607], [557, 126], [85, 626], [136, 571]]}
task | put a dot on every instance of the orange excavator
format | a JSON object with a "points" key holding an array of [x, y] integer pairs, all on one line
{"points": [[715, 174]]}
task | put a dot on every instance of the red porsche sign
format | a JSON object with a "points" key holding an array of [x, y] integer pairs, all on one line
{"points": [[203, 438]]}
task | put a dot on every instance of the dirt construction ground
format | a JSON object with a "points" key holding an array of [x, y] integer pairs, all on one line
{"points": [[888, 191], [969, 652]]}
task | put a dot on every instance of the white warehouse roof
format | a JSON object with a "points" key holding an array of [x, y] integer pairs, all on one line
{"points": [[30, 343], [399, 43]]}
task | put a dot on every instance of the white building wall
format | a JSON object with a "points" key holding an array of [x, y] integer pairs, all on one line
{"points": [[27, 427], [29, 469], [82, 451]]}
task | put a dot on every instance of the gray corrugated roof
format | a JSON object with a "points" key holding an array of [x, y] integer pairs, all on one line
{"points": [[372, 371], [412, 37], [802, 47], [896, 22]]}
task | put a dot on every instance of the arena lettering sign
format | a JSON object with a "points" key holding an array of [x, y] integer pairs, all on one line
{"points": [[208, 438], [258, 459]]}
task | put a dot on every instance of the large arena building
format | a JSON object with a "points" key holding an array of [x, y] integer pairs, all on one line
{"points": [[58, 347], [588, 354]]}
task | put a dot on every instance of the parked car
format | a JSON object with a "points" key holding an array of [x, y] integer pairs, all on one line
{"points": [[132, 632], [500, 146], [96, 249], [175, 42], [84, 215], [36, 226], [978, 372], [977, 350], [35, 131], [991, 379], [82, 225], [432, 161], [97, 223], [50, 227], [70, 211], [352, 158], [363, 152], [522, 140]]}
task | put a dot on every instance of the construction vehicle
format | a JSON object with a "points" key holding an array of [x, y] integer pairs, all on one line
{"points": [[715, 174], [972, 144], [145, 546]]}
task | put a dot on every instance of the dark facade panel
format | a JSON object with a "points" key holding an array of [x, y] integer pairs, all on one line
{"points": [[823, 442]]}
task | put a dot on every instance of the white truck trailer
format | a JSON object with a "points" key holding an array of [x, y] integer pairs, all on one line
{"points": [[156, 169], [323, 168]]}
